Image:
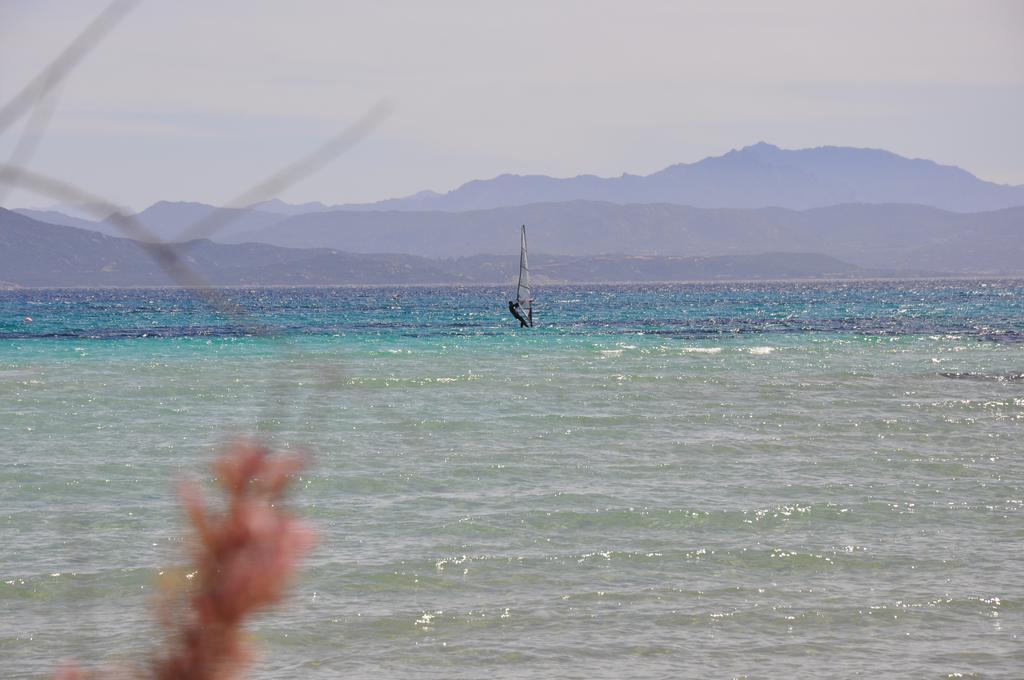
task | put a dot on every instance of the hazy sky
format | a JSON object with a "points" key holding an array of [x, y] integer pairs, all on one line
{"points": [[199, 100]]}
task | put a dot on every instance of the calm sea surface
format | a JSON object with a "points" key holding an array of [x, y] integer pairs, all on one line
{"points": [[680, 481]]}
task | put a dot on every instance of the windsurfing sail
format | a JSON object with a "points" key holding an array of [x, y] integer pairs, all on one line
{"points": [[524, 294]]}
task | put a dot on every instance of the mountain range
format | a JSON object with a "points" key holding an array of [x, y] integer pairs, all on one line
{"points": [[757, 176], [167, 220], [877, 236], [870, 208], [890, 237], [35, 254]]}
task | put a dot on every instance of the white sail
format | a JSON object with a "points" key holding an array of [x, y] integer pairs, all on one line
{"points": [[524, 294]]}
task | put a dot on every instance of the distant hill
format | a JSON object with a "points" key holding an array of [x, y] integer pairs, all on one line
{"points": [[34, 253], [892, 237], [167, 220], [277, 206], [57, 217], [755, 176], [693, 206]]}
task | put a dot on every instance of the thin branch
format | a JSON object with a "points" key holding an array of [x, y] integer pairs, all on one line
{"points": [[30, 137], [59, 68], [291, 173], [165, 254]]}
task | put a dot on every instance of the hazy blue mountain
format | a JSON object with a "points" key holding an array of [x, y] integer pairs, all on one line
{"points": [[167, 219], [85, 211], [756, 176], [279, 207], [34, 253], [877, 236], [58, 217]]}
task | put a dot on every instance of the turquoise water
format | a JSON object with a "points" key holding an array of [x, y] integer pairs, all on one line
{"points": [[678, 481]]}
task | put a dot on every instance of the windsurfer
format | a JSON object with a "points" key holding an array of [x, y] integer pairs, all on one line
{"points": [[514, 308]]}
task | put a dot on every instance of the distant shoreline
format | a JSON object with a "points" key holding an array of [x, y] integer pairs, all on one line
{"points": [[539, 286]]}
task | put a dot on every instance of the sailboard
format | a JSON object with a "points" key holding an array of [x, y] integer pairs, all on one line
{"points": [[524, 293]]}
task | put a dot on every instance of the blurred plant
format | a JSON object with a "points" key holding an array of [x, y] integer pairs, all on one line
{"points": [[242, 559], [243, 556]]}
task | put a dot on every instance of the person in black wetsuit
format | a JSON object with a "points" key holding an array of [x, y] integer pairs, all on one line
{"points": [[513, 307]]}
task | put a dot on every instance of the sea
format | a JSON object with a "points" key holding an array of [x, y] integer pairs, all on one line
{"points": [[731, 480]]}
